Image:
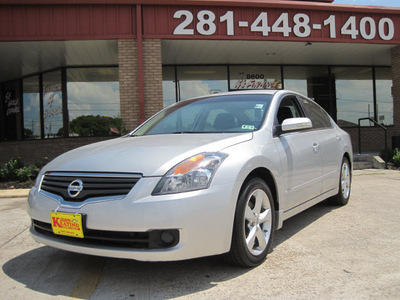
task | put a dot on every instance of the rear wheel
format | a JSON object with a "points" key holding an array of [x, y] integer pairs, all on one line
{"points": [[253, 225], [342, 198]]}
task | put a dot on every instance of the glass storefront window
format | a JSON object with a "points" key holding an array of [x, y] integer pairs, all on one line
{"points": [[92, 93], [384, 98], [201, 80], [296, 79], [305, 80], [31, 97], [168, 85], [93, 102], [310, 81], [354, 94], [52, 104], [255, 77]]}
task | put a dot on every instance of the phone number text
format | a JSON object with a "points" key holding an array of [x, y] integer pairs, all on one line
{"points": [[300, 25]]}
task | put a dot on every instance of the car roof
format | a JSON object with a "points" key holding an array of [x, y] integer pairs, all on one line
{"points": [[241, 92], [246, 92]]}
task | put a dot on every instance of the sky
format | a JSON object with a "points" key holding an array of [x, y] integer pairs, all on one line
{"points": [[390, 3]]}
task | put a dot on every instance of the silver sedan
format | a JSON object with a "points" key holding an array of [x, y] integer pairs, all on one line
{"points": [[212, 175]]}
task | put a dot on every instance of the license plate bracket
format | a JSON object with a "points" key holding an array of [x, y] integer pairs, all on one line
{"points": [[67, 224]]}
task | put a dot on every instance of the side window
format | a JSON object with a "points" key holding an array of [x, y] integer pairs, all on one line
{"points": [[318, 116], [288, 108]]}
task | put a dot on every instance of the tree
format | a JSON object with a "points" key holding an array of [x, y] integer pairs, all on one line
{"points": [[96, 125], [28, 133]]}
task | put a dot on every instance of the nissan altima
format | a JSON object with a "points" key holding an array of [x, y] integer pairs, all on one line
{"points": [[212, 175]]}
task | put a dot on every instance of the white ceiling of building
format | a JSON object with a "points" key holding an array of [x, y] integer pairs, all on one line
{"points": [[260, 52], [25, 58]]}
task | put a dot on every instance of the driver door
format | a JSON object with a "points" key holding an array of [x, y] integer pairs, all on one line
{"points": [[300, 157]]}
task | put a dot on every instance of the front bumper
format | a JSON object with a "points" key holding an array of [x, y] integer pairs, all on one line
{"points": [[203, 218]]}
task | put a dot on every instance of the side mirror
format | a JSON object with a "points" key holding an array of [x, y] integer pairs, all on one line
{"points": [[296, 124]]}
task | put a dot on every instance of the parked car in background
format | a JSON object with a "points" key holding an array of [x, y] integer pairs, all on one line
{"points": [[211, 175]]}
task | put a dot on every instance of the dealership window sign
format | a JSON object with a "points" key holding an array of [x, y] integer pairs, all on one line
{"points": [[51, 93], [278, 24], [255, 77], [260, 83], [12, 103]]}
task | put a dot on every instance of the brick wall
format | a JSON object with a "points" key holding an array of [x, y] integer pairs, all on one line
{"points": [[152, 69], [128, 82], [372, 139], [33, 151]]}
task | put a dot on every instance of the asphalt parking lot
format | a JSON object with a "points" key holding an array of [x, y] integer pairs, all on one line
{"points": [[326, 252]]}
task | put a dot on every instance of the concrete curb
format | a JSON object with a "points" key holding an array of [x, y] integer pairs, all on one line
{"points": [[14, 193]]}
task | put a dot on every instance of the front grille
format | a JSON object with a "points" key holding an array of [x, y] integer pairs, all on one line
{"points": [[93, 184], [122, 239]]}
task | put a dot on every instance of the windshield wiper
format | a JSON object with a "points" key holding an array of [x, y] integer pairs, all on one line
{"points": [[183, 132]]}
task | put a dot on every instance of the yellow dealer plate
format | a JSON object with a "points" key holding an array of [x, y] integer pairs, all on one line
{"points": [[67, 224]]}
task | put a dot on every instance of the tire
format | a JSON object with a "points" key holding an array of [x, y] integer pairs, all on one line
{"points": [[253, 227], [343, 196]]}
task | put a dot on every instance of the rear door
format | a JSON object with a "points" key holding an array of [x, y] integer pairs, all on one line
{"points": [[329, 144]]}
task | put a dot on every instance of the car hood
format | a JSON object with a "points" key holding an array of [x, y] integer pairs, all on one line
{"points": [[151, 155]]}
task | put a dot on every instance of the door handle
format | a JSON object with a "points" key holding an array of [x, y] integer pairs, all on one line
{"points": [[315, 147]]}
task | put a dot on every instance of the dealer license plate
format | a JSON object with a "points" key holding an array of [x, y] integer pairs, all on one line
{"points": [[67, 224]]}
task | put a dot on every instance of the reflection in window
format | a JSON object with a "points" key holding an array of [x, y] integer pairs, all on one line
{"points": [[93, 102], [31, 97], [255, 77], [52, 104], [384, 98], [169, 93], [354, 94], [201, 80]]}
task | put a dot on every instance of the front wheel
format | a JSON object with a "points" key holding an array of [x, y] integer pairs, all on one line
{"points": [[342, 198], [253, 228]]}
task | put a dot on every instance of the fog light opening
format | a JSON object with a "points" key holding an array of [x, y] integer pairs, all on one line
{"points": [[167, 238]]}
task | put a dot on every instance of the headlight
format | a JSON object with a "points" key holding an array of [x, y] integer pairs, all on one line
{"points": [[194, 173]]}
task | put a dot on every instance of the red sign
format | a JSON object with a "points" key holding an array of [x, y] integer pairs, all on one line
{"points": [[236, 20]]}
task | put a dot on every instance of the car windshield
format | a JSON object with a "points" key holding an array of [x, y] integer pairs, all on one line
{"points": [[220, 114]]}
